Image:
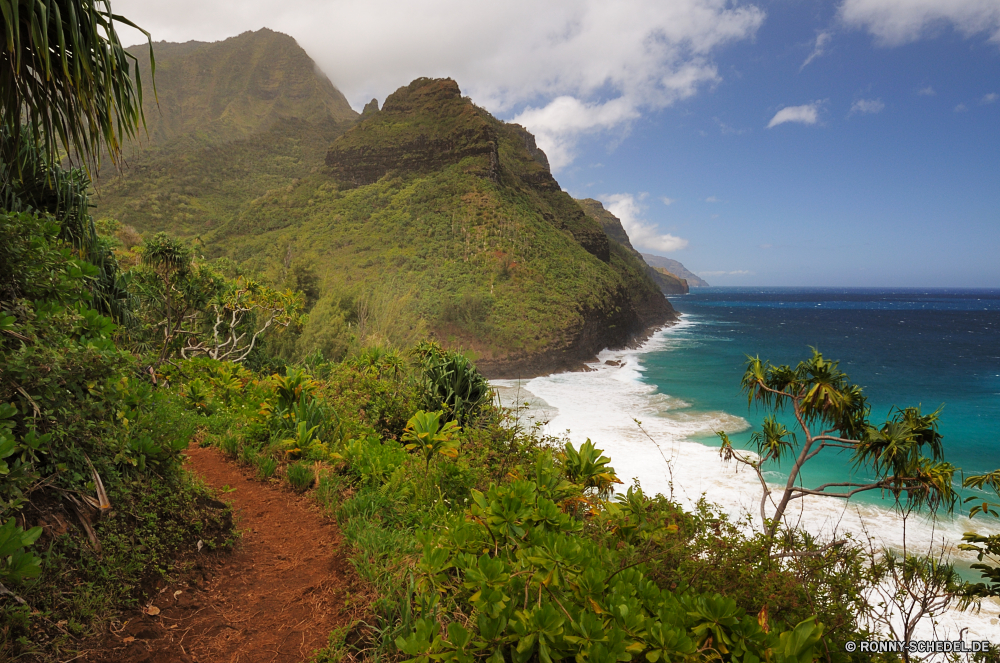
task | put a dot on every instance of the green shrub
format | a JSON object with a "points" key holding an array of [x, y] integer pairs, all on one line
{"points": [[371, 460], [543, 590], [230, 445], [300, 476], [455, 481], [452, 383], [266, 465], [197, 397], [426, 433], [16, 563]]}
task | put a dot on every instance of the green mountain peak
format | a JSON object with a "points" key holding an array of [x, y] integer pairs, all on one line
{"points": [[428, 216], [227, 90]]}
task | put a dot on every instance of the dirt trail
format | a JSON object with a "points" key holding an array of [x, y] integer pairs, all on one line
{"points": [[274, 599]]}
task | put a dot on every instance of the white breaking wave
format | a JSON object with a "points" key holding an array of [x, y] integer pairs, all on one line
{"points": [[603, 405]]}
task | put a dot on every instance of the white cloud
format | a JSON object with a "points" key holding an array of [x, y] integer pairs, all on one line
{"points": [[641, 233], [961, 108], [895, 22], [563, 68], [989, 98], [558, 125], [926, 91], [819, 47], [667, 201], [806, 114], [867, 106], [711, 199]]}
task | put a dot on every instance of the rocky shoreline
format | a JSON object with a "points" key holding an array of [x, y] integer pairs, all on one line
{"points": [[574, 357]]}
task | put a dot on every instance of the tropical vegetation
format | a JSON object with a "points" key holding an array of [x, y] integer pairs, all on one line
{"points": [[475, 538]]}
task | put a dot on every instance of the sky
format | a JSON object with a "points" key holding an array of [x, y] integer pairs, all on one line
{"points": [[776, 142]]}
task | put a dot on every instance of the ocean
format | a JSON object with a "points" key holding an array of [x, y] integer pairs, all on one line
{"points": [[935, 348]]}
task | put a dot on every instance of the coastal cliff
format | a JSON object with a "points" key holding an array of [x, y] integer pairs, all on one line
{"points": [[459, 213], [423, 217], [428, 126], [675, 268], [668, 282]]}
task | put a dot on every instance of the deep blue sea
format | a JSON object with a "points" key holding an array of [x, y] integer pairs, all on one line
{"points": [[928, 347]]}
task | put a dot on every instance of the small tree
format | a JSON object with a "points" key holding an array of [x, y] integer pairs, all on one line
{"points": [[908, 588], [169, 295], [832, 414], [242, 313], [197, 311]]}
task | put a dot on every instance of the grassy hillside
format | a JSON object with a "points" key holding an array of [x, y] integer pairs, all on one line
{"points": [[668, 282], [234, 119], [455, 214], [234, 88], [428, 215]]}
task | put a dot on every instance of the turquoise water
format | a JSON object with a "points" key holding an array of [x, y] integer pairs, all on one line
{"points": [[905, 347]]}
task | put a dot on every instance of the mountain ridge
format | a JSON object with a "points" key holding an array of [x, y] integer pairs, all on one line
{"points": [[225, 130], [234, 88], [427, 216], [675, 267], [668, 282]]}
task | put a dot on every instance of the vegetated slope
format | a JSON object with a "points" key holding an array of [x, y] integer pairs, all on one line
{"points": [[668, 282], [675, 268], [457, 214], [230, 120]]}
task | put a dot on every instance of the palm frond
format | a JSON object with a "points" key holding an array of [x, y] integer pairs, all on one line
{"points": [[65, 75]]}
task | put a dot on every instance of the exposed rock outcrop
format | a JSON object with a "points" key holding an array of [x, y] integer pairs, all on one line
{"points": [[427, 126], [422, 127], [669, 283]]}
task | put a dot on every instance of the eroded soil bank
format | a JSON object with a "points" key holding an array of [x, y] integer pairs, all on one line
{"points": [[274, 599]]}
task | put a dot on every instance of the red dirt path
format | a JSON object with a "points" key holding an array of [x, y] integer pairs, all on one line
{"points": [[274, 599]]}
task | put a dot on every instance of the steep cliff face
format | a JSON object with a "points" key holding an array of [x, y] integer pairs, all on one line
{"points": [[235, 119], [610, 223], [523, 160], [425, 217], [228, 90], [676, 268], [422, 127], [428, 125], [437, 200], [668, 283]]}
